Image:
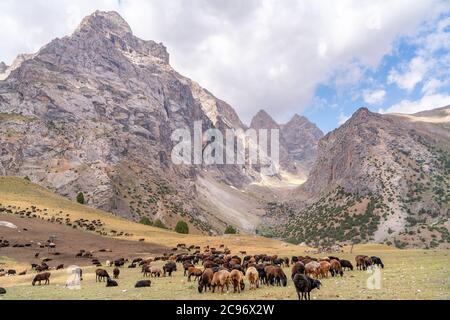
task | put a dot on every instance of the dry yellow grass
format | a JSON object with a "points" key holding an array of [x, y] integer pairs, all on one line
{"points": [[24, 194], [409, 274]]}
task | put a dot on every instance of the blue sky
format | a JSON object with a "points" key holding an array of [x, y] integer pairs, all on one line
{"points": [[333, 103], [323, 59]]}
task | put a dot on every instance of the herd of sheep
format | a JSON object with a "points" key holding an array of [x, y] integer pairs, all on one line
{"points": [[219, 270]]}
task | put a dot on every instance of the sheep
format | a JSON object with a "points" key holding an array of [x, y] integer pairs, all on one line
{"points": [[192, 271], [298, 267], [312, 269], [304, 285], [116, 273], [262, 273], [220, 279], [237, 279], [143, 284], [155, 272], [377, 261], [280, 277], [60, 267], [186, 266], [325, 267], [346, 265], [360, 262], [169, 267], [368, 262], [205, 280], [101, 275], [336, 268], [111, 283], [2, 290], [42, 277], [253, 277]]}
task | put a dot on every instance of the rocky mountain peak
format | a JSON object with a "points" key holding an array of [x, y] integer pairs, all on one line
{"points": [[106, 23], [262, 120], [298, 119]]}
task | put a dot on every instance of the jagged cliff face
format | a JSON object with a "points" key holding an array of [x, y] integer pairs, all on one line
{"points": [[94, 112], [298, 141], [383, 178]]}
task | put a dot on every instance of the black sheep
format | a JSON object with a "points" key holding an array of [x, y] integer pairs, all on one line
{"points": [[346, 265], [111, 283], [2, 291], [304, 285], [143, 284], [169, 267], [377, 261]]}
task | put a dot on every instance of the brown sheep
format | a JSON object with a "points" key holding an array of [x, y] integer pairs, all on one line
{"points": [[205, 280], [237, 279], [101, 275], [360, 265], [42, 277], [253, 277], [116, 273], [325, 267], [220, 279], [193, 271], [336, 268], [312, 269], [299, 268]]}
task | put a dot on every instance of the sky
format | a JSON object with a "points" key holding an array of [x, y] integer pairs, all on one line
{"points": [[322, 59]]}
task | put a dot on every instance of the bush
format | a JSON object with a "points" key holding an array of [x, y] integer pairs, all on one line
{"points": [[27, 178], [159, 224], [80, 198], [146, 221], [230, 230], [182, 227]]}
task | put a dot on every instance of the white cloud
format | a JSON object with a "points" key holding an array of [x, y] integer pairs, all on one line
{"points": [[374, 97], [251, 53], [432, 85], [343, 118], [427, 102], [412, 75]]}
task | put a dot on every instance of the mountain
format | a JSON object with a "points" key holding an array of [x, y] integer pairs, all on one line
{"points": [[298, 141], [379, 177], [93, 112]]}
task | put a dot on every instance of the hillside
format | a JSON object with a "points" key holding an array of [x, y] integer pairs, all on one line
{"points": [[22, 196], [382, 178]]}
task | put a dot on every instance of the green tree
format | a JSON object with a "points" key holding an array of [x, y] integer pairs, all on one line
{"points": [[146, 221], [182, 227], [230, 230], [159, 224], [80, 198]]}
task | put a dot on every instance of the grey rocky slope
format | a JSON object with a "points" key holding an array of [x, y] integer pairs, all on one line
{"points": [[93, 112], [298, 141], [383, 178]]}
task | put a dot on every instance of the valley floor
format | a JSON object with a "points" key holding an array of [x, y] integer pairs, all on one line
{"points": [[408, 274]]}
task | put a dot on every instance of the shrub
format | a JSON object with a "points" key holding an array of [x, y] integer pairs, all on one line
{"points": [[230, 230], [182, 227], [146, 221], [80, 198]]}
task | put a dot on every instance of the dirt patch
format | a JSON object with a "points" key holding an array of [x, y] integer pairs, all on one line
{"points": [[68, 242]]}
